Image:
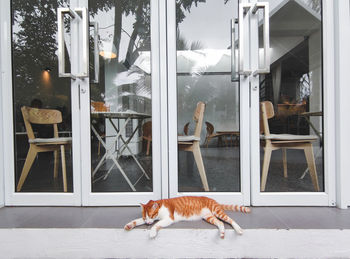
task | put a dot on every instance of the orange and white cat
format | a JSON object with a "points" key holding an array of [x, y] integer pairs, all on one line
{"points": [[169, 211]]}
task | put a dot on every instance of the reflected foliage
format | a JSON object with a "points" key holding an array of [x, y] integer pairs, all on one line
{"points": [[34, 50]]}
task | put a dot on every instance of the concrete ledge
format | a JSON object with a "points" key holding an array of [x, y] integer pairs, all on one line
{"points": [[173, 243]]}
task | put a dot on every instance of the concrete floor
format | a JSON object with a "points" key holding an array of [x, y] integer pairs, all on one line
{"points": [[117, 217]]}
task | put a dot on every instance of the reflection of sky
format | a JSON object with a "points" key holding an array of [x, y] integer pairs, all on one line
{"points": [[209, 23]]}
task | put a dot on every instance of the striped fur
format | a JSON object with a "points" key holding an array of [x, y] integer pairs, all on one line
{"points": [[169, 211]]}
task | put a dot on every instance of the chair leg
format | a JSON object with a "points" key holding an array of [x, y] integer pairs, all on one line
{"points": [[148, 147], [27, 165], [284, 155], [309, 154], [207, 141], [199, 161], [55, 164], [265, 169], [64, 175]]}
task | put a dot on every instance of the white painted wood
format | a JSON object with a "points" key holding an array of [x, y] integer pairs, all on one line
{"points": [[194, 243], [326, 198], [125, 198], [342, 104]]}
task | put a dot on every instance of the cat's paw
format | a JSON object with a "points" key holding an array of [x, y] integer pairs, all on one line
{"points": [[129, 226], [152, 233], [222, 235], [239, 231]]}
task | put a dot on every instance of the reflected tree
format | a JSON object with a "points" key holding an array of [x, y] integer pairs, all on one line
{"points": [[34, 50]]}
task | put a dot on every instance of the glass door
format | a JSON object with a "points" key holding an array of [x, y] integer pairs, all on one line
{"points": [[208, 100], [289, 104], [120, 111], [42, 161]]}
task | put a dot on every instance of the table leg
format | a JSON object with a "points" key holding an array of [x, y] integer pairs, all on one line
{"points": [[112, 157], [126, 146]]}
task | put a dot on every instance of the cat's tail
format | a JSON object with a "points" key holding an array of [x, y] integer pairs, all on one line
{"points": [[236, 208]]}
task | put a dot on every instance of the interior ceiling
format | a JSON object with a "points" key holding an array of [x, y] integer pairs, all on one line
{"points": [[292, 18]]}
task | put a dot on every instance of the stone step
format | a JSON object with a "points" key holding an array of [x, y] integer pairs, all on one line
{"points": [[173, 243]]}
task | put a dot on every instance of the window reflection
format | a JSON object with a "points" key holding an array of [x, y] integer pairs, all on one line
{"points": [[295, 89], [204, 75], [36, 84], [121, 102]]}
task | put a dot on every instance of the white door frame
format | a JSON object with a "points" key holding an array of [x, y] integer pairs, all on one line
{"points": [[39, 198], [2, 168], [126, 198], [242, 197], [326, 198], [342, 63]]}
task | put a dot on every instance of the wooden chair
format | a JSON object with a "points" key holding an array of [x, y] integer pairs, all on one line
{"points": [[36, 145], [191, 143], [147, 134], [186, 128], [211, 134], [284, 141]]}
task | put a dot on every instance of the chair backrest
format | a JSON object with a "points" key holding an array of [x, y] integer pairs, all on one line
{"points": [[210, 128], [147, 129], [40, 116], [198, 118], [186, 128], [266, 112]]}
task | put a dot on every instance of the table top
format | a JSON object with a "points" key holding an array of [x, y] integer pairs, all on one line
{"points": [[228, 131], [120, 115], [319, 113]]}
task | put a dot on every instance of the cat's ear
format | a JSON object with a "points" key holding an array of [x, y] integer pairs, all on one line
{"points": [[142, 205], [155, 205]]}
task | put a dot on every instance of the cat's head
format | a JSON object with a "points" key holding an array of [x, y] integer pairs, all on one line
{"points": [[150, 211]]}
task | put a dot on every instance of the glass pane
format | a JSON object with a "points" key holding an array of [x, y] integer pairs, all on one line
{"points": [[121, 124], [210, 146], [294, 92], [36, 85]]}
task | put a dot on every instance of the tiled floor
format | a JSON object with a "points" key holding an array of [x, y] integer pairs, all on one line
{"points": [[221, 164], [117, 217]]}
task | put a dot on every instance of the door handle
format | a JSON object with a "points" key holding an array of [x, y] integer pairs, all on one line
{"points": [[96, 53], [243, 10], [60, 31], [234, 62], [85, 47], [266, 37]]}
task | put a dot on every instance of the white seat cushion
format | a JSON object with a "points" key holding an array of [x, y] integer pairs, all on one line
{"points": [[187, 138], [50, 140], [289, 137]]}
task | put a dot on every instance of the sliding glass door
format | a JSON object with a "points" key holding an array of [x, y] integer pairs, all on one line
{"points": [[208, 102], [120, 104]]}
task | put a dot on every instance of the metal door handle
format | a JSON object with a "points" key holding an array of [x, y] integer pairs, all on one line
{"points": [[85, 48], [266, 37], [60, 30], [234, 63], [85, 39], [243, 10], [96, 53]]}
